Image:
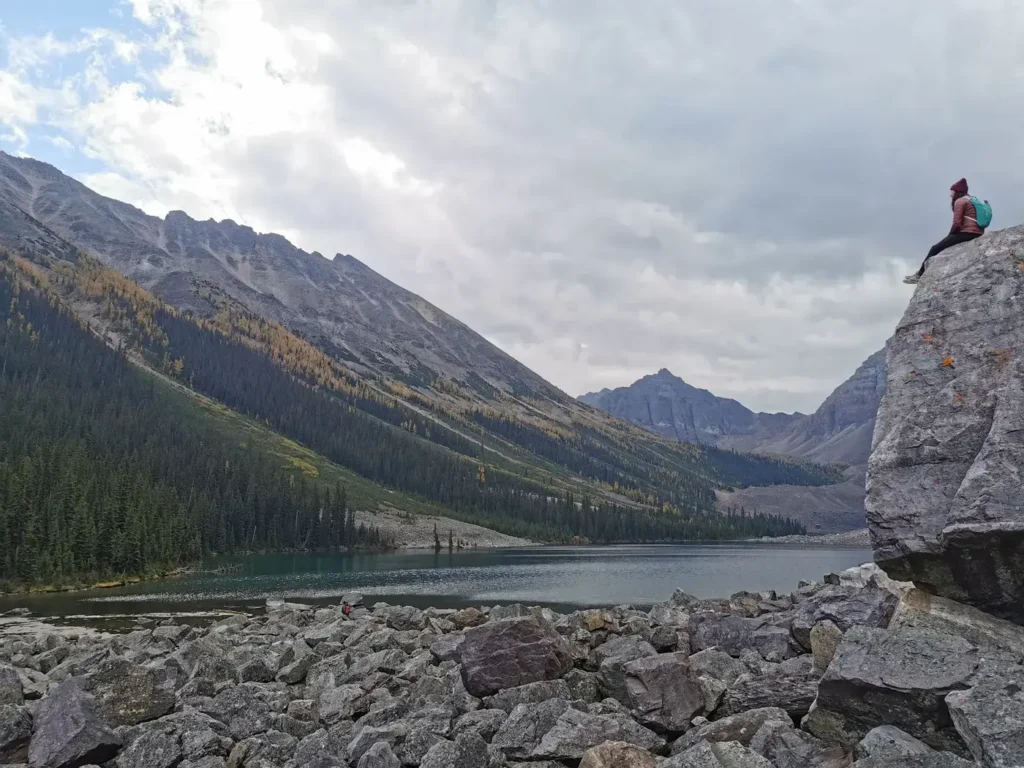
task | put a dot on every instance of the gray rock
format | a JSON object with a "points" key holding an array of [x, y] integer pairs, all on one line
{"points": [[273, 747], [526, 725], [514, 611], [845, 607], [824, 637], [68, 730], [324, 749], [786, 747], [717, 664], [663, 692], [15, 730], [504, 654], [575, 732], [740, 727], [446, 647], [795, 694], [11, 689], [467, 751], [338, 703], [369, 735], [944, 505], [531, 693], [129, 693], [617, 754], [154, 748], [380, 755], [583, 685], [899, 678], [889, 742], [483, 722], [255, 670], [990, 719], [665, 638], [729, 754], [241, 710], [611, 659], [935, 760]]}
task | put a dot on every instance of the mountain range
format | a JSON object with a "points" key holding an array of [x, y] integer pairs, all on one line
{"points": [[840, 430], [326, 376]]}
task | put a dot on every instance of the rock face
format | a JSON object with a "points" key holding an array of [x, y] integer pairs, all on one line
{"points": [[68, 731], [944, 501], [511, 652]]}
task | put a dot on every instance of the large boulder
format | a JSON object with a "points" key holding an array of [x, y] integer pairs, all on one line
{"points": [[68, 730], [520, 734], [129, 693], [662, 691], [611, 659], [944, 502], [990, 718], [740, 727], [887, 741], [845, 607], [511, 652], [899, 677]]}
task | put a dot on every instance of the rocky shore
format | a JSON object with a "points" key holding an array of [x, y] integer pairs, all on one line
{"points": [[857, 670]]}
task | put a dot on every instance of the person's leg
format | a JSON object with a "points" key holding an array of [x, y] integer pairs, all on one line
{"points": [[948, 241]]}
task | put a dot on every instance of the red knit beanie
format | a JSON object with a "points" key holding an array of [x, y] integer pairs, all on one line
{"points": [[960, 186]]}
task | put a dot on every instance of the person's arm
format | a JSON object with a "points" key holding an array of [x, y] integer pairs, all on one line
{"points": [[958, 214]]}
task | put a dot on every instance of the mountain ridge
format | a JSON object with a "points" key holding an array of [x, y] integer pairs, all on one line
{"points": [[839, 430]]}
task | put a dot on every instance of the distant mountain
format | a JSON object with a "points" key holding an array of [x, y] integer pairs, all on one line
{"points": [[839, 430]]}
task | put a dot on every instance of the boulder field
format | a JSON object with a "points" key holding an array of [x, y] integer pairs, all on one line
{"points": [[857, 670]]}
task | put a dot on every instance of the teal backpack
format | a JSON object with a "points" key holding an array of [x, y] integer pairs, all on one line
{"points": [[983, 212]]}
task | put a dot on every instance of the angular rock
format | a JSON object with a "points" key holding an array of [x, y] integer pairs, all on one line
{"points": [[15, 730], [717, 664], [889, 742], [504, 654], [740, 727], [446, 647], [531, 693], [990, 719], [129, 693], [575, 732], [526, 725], [794, 694], [380, 755], [729, 754], [68, 730], [617, 754], [338, 703], [943, 494], [241, 710], [483, 722], [786, 747], [663, 692], [899, 678], [934, 760], [825, 637], [919, 609], [611, 659], [11, 689], [845, 607], [154, 748], [467, 751]]}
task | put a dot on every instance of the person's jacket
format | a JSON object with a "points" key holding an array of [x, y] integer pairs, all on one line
{"points": [[965, 218]]}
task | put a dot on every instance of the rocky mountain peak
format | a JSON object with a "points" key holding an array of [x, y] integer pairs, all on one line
{"points": [[944, 502]]}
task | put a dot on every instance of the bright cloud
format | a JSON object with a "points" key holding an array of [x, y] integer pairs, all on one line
{"points": [[729, 190]]}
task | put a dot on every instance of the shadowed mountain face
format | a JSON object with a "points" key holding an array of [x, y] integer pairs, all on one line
{"points": [[839, 430], [341, 305]]}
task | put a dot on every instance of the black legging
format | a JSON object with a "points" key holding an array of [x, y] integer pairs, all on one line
{"points": [[953, 238]]}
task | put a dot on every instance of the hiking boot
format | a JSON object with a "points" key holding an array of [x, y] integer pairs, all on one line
{"points": [[912, 279]]}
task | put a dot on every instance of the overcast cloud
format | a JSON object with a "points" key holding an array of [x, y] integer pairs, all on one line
{"points": [[728, 189]]}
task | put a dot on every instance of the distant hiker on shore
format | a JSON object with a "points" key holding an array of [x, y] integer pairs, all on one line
{"points": [[970, 217]]}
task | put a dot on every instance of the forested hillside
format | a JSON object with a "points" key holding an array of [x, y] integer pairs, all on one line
{"points": [[103, 470], [107, 469]]}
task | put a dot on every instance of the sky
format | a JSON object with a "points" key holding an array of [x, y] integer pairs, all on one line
{"points": [[730, 190]]}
